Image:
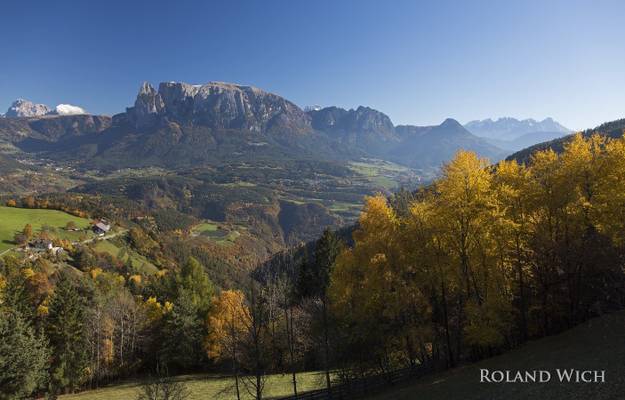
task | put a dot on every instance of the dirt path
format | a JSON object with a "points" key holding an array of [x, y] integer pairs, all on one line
{"points": [[105, 237]]}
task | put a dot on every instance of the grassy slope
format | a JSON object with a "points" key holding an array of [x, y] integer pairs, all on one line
{"points": [[206, 387], [598, 344], [13, 220]]}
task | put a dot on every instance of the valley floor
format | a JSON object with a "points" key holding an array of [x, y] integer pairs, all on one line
{"points": [[598, 344]]}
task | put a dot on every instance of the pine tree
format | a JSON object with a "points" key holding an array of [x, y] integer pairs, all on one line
{"points": [[68, 337], [183, 334], [24, 357], [314, 276], [194, 282]]}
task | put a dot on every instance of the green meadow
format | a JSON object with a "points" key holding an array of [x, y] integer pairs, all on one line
{"points": [[14, 219]]}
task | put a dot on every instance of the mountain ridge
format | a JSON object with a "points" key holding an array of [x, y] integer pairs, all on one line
{"points": [[508, 128], [513, 134], [181, 124], [610, 129]]}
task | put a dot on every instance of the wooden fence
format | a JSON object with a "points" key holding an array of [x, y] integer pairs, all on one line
{"points": [[358, 388]]}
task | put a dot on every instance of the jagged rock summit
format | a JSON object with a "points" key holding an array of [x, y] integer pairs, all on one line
{"points": [[217, 105], [24, 108]]}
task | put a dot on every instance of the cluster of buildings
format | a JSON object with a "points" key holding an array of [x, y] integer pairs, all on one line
{"points": [[38, 246]]}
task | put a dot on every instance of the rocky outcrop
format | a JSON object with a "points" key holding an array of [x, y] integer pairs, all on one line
{"points": [[217, 105], [148, 106], [24, 108]]}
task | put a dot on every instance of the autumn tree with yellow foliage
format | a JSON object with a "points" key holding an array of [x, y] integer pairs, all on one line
{"points": [[226, 328], [485, 257]]}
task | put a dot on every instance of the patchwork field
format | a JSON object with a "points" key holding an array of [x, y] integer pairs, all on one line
{"points": [[14, 219], [202, 387], [384, 174]]}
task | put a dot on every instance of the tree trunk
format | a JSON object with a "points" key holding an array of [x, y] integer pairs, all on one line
{"points": [[326, 346], [522, 300], [290, 342], [450, 356]]}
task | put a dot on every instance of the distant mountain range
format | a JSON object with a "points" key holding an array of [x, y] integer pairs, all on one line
{"points": [[513, 134], [181, 125], [611, 129], [24, 108]]}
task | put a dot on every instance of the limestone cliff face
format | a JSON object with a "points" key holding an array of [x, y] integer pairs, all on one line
{"points": [[217, 105]]}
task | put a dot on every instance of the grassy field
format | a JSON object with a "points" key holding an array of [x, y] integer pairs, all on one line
{"points": [[206, 227], [218, 234], [203, 387], [598, 344], [13, 220]]}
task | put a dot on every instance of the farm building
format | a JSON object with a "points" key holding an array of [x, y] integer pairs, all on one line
{"points": [[101, 227]]}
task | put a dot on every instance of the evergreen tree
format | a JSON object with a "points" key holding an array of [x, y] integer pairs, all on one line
{"points": [[183, 335], [68, 339], [23, 357], [314, 277], [193, 282]]}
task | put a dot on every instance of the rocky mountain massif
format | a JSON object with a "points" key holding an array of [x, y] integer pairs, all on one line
{"points": [[513, 134], [182, 125]]}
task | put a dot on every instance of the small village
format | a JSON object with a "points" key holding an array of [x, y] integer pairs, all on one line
{"points": [[44, 243]]}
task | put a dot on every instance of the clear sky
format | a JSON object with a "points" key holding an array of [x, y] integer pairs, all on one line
{"points": [[420, 62]]}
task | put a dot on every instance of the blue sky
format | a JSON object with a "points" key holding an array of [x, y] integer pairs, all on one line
{"points": [[419, 62]]}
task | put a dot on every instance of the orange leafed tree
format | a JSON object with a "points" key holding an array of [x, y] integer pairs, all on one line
{"points": [[226, 329]]}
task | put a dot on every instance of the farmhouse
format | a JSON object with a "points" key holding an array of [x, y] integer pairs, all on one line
{"points": [[101, 227], [41, 245]]}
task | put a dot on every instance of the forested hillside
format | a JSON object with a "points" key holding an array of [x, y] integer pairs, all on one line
{"points": [[485, 258]]}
